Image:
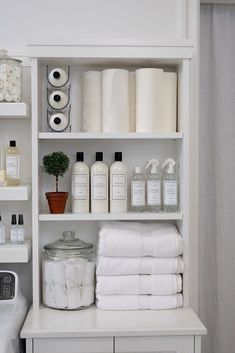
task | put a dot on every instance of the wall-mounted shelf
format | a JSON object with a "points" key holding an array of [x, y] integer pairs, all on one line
{"points": [[14, 110], [111, 216], [15, 193], [15, 253], [109, 135]]}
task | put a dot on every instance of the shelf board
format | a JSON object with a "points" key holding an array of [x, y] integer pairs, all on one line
{"points": [[162, 216], [108, 135], [93, 322], [15, 193], [15, 253], [14, 110]]}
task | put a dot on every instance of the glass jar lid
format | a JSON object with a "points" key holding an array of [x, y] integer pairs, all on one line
{"points": [[4, 56], [69, 244]]}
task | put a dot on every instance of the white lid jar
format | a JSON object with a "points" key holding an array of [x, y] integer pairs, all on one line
{"points": [[68, 271], [10, 78]]}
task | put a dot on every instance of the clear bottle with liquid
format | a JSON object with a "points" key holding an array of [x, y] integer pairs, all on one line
{"points": [[170, 186], [2, 231], [153, 186], [13, 230], [138, 201], [20, 229], [13, 165]]}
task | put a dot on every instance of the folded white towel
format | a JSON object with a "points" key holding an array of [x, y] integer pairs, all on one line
{"points": [[137, 302], [127, 239], [139, 284], [114, 266]]}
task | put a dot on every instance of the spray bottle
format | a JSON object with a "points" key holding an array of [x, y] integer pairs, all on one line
{"points": [[170, 186], [153, 187]]}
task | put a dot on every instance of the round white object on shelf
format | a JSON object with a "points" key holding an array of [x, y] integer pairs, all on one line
{"points": [[58, 77], [58, 122], [58, 99]]}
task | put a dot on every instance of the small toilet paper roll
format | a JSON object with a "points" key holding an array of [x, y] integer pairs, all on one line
{"points": [[58, 122], [115, 100], [132, 102], [91, 85], [148, 99], [169, 94], [58, 99], [58, 77]]}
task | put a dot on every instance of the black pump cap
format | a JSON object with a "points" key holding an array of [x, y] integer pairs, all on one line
{"points": [[20, 220], [99, 156], [12, 144], [56, 74], [80, 156], [57, 97], [0, 218], [57, 120], [118, 157], [13, 219]]}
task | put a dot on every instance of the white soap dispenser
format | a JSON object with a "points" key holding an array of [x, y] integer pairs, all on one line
{"points": [[153, 187], [170, 186], [118, 185], [138, 191], [80, 185], [99, 185]]}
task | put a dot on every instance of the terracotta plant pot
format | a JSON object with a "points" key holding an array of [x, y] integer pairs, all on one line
{"points": [[57, 201]]}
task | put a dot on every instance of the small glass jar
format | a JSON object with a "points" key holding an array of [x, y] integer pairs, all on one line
{"points": [[10, 78], [68, 272]]}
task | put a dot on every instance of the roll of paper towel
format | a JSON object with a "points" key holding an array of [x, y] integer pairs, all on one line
{"points": [[115, 100], [169, 94], [91, 84], [132, 102], [148, 99]]}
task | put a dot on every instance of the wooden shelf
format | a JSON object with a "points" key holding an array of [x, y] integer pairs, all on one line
{"points": [[109, 135], [15, 193], [15, 253], [161, 216], [14, 110], [93, 322]]}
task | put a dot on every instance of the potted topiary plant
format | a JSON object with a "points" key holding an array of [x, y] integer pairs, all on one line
{"points": [[56, 163]]}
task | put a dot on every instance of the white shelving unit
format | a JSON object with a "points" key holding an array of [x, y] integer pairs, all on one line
{"points": [[15, 193], [15, 253], [14, 110]]}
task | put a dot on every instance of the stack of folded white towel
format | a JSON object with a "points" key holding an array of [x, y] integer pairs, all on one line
{"points": [[139, 266]]}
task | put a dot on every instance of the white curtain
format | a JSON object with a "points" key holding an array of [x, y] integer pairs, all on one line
{"points": [[217, 177]]}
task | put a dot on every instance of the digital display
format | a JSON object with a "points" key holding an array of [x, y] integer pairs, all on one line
{"points": [[7, 286]]}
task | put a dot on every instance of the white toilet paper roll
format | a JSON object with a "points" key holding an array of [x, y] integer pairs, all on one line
{"points": [[58, 99], [148, 99], [91, 89], [132, 102], [169, 94], [58, 122], [115, 100], [58, 77]]}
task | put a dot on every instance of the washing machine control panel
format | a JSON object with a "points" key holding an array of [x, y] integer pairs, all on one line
{"points": [[7, 286]]}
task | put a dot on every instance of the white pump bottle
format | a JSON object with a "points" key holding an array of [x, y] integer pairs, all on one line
{"points": [[80, 185], [170, 186], [153, 187]]}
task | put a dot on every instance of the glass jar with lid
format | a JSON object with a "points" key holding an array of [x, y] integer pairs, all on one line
{"points": [[10, 78], [68, 271]]}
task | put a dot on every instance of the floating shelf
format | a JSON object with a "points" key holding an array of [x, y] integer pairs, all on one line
{"points": [[15, 193], [15, 253], [14, 110], [111, 216], [108, 135]]}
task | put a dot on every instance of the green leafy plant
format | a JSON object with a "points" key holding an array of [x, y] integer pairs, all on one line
{"points": [[56, 163]]}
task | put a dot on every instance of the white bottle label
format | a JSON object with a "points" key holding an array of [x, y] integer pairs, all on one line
{"points": [[138, 193], [153, 192], [119, 189], [20, 235], [170, 193], [14, 235], [80, 186], [12, 167], [100, 189]]}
